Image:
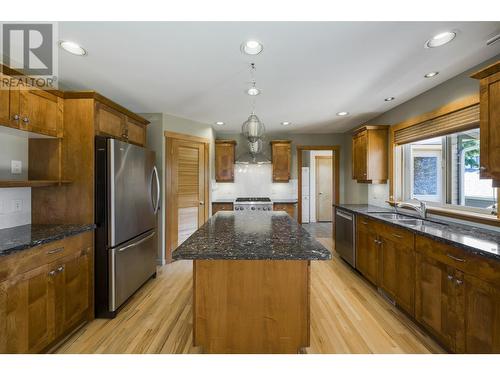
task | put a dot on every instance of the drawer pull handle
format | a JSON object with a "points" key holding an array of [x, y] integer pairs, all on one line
{"points": [[397, 235], [52, 273], [459, 282], [55, 251], [364, 222], [455, 258], [60, 269]]}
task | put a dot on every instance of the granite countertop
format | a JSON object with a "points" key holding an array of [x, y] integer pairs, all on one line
{"points": [[475, 240], [27, 236], [272, 235], [289, 200]]}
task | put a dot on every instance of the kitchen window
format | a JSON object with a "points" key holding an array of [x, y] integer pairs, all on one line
{"points": [[444, 171]]}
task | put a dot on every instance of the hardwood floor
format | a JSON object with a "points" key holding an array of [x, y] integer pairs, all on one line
{"points": [[347, 316]]}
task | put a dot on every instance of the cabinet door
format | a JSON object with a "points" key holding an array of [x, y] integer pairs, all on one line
{"points": [[289, 208], [71, 291], [40, 112], [490, 127], [26, 312], [397, 266], [281, 162], [360, 155], [367, 250], [136, 132], [4, 100], [481, 316], [216, 207], [110, 122], [224, 162], [434, 298]]}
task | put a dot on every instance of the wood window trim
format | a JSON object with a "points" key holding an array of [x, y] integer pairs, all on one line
{"points": [[336, 174], [169, 193], [441, 111]]}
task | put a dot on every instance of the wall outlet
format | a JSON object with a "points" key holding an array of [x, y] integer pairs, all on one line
{"points": [[17, 205], [16, 166]]}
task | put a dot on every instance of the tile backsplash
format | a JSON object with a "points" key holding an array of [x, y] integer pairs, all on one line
{"points": [[254, 181]]}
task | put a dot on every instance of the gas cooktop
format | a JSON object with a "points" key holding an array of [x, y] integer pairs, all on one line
{"points": [[253, 200]]}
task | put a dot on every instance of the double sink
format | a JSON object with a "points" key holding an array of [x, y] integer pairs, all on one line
{"points": [[404, 219]]}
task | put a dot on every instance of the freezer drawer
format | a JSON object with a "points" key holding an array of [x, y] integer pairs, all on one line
{"points": [[131, 265]]}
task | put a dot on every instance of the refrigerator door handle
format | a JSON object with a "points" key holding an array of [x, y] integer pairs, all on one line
{"points": [[136, 243], [156, 206]]}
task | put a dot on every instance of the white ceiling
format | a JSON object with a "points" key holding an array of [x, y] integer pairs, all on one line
{"points": [[308, 71]]}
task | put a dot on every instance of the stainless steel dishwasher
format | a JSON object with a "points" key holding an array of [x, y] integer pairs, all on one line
{"points": [[345, 235]]}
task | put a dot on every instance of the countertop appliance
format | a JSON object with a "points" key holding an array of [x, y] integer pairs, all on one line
{"points": [[253, 204], [127, 196], [345, 236]]}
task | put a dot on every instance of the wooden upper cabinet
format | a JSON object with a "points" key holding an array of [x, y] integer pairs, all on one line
{"points": [[370, 154], [136, 132], [224, 160], [26, 312], [490, 122], [4, 101], [110, 122], [41, 112], [281, 152]]}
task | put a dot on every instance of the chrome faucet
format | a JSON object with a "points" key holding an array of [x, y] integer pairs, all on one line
{"points": [[421, 208]]}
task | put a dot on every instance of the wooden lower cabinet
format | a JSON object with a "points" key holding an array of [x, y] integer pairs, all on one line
{"points": [[397, 265], [367, 250], [26, 312], [434, 299], [289, 208], [216, 207], [41, 306]]}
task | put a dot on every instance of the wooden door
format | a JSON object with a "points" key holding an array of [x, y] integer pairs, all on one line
{"points": [[71, 288], [224, 161], [367, 250], [187, 176], [136, 132], [40, 112], [4, 100], [26, 312], [110, 122], [324, 188], [397, 267], [481, 316], [281, 155], [434, 298]]}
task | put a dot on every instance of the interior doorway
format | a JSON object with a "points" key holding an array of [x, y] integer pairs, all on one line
{"points": [[313, 206], [187, 182]]}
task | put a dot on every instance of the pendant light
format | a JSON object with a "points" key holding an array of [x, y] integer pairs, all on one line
{"points": [[253, 129]]}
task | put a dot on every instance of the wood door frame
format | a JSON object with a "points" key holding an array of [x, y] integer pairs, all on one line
{"points": [[169, 194], [336, 173], [331, 157]]}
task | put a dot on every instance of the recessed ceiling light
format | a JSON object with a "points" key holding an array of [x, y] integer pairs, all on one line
{"points": [[252, 47], [431, 74], [389, 99], [343, 113], [219, 123], [252, 91], [440, 39], [285, 123], [72, 48]]}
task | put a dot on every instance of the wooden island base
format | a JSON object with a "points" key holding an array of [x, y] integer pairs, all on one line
{"points": [[251, 306]]}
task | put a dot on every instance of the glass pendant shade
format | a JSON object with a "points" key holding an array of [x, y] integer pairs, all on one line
{"points": [[253, 128], [255, 147]]}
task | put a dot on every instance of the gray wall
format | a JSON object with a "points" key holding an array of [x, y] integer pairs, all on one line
{"points": [[454, 89], [159, 123]]}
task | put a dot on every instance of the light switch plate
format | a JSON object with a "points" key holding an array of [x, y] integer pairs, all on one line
{"points": [[16, 166], [17, 205]]}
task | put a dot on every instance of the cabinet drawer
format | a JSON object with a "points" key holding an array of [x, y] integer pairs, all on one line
{"points": [[18, 263], [475, 265], [221, 207], [364, 222], [392, 233]]}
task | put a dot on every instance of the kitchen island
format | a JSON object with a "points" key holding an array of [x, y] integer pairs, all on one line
{"points": [[251, 282]]}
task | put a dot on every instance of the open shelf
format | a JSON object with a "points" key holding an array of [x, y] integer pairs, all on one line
{"points": [[31, 183]]}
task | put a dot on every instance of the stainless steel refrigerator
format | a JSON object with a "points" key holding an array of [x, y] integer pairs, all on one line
{"points": [[127, 196]]}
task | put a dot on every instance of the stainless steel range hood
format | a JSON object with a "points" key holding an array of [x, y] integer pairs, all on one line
{"points": [[249, 158]]}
